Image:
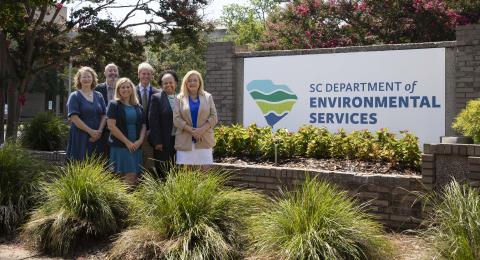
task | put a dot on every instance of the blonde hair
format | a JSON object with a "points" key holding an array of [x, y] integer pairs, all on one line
{"points": [[145, 65], [76, 80], [133, 97], [184, 89]]}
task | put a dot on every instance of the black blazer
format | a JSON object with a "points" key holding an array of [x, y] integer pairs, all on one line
{"points": [[152, 92], [116, 111], [102, 88], [160, 117]]}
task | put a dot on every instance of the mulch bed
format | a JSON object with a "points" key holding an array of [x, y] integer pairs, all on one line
{"points": [[343, 165], [407, 247]]}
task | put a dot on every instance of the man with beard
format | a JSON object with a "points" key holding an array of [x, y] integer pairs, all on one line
{"points": [[107, 89]]}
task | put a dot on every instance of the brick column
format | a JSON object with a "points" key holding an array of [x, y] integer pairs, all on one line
{"points": [[473, 174], [428, 171], [219, 79], [467, 72]]}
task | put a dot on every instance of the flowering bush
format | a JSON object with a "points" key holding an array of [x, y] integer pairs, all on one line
{"points": [[306, 24]]}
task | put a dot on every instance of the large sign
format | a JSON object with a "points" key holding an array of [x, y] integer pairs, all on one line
{"points": [[398, 90]]}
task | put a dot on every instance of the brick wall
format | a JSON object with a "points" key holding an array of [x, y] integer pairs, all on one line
{"points": [[54, 158], [219, 79], [442, 162], [391, 197], [467, 66]]}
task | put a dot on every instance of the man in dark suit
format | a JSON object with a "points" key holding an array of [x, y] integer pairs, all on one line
{"points": [[162, 131], [107, 89], [144, 92]]}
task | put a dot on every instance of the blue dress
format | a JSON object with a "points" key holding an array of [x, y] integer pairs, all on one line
{"points": [[78, 146], [194, 106], [121, 158]]}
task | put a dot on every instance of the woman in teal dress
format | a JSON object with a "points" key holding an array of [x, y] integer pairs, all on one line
{"points": [[126, 121]]}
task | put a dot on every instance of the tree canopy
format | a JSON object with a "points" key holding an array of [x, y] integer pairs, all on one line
{"points": [[34, 37]]}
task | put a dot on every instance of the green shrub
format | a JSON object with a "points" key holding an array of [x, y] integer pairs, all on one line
{"points": [[84, 202], [20, 174], [317, 222], [312, 142], [221, 139], [454, 224], [361, 145], [235, 140], [252, 147], [467, 121], [387, 145], [282, 139], [339, 148], [320, 145], [408, 151], [302, 138], [192, 215], [45, 132]]}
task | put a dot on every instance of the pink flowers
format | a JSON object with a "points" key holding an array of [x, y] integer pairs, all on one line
{"points": [[302, 10], [59, 5], [360, 7]]}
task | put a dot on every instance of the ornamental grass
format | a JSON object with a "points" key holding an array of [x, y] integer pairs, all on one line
{"points": [[83, 203], [192, 215], [318, 221], [454, 224], [20, 174]]}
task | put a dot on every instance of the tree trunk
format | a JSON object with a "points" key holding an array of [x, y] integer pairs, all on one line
{"points": [[2, 117], [12, 122], [3, 83]]}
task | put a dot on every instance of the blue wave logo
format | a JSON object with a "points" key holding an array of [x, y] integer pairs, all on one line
{"points": [[275, 101]]}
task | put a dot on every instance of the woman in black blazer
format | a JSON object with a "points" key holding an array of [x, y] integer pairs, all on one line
{"points": [[126, 122], [160, 117]]}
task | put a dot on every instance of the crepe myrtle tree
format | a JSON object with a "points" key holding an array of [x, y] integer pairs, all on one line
{"points": [[309, 24], [35, 37]]}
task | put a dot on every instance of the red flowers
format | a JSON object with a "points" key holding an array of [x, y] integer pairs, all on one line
{"points": [[59, 5], [302, 10]]}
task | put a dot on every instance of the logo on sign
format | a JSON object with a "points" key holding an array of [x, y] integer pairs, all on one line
{"points": [[275, 101]]}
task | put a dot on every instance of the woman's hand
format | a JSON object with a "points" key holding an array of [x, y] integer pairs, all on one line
{"points": [[131, 146], [95, 134], [200, 132], [93, 139], [138, 144], [159, 147], [197, 134]]}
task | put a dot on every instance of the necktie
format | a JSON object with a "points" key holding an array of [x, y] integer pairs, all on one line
{"points": [[144, 99]]}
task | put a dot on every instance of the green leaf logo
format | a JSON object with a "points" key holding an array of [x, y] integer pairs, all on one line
{"points": [[275, 101]]}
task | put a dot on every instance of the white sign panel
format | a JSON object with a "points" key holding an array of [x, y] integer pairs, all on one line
{"points": [[398, 90]]}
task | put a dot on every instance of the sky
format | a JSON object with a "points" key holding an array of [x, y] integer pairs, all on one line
{"points": [[212, 12]]}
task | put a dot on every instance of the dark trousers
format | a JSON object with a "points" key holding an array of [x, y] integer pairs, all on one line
{"points": [[104, 143], [165, 159]]}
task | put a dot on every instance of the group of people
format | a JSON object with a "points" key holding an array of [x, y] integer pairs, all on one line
{"points": [[139, 126]]}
